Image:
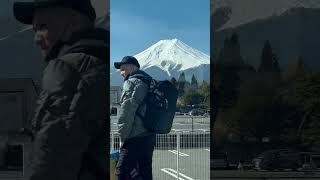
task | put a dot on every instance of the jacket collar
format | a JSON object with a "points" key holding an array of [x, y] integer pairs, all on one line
{"points": [[91, 41]]}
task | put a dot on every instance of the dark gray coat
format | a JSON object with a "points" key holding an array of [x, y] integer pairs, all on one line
{"points": [[70, 122], [134, 91]]}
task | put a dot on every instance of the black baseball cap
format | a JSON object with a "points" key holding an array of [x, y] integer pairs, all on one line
{"points": [[24, 11], [127, 60]]}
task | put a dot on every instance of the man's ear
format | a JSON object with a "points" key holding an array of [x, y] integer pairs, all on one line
{"points": [[73, 19], [78, 20]]}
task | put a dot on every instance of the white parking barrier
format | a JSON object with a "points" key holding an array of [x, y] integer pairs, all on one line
{"points": [[188, 153]]}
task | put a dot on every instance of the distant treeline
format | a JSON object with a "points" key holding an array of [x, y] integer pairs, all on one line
{"points": [[280, 105], [192, 93]]}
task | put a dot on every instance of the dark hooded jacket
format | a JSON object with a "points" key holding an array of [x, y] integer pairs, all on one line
{"points": [[135, 89], [70, 123]]}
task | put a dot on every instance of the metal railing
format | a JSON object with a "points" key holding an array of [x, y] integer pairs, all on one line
{"points": [[181, 122], [178, 155]]}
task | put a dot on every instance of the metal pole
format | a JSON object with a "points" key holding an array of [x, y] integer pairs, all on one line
{"points": [[192, 123], [112, 142], [178, 150]]}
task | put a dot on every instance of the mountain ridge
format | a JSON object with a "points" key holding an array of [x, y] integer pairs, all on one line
{"points": [[246, 11], [169, 58], [292, 34]]}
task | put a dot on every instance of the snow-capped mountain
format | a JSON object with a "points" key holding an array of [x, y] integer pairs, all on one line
{"points": [[169, 58], [244, 11], [291, 26]]}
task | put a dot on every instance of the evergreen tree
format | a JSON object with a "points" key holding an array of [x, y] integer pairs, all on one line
{"points": [[228, 66], [296, 71], [174, 81], [194, 82], [213, 99], [192, 97], [230, 53], [301, 69], [269, 61], [213, 71], [235, 47], [204, 90], [302, 98], [182, 77], [253, 113], [181, 84], [223, 51]]}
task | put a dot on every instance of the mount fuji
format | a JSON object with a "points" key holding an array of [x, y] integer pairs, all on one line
{"points": [[169, 58], [290, 26], [233, 13]]}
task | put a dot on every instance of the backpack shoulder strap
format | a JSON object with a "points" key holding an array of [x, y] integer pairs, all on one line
{"points": [[142, 79], [142, 117]]}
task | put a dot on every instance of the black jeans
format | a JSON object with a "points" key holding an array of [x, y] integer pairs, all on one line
{"points": [[135, 159]]}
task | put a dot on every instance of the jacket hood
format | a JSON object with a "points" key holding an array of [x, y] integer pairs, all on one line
{"points": [[94, 42]]}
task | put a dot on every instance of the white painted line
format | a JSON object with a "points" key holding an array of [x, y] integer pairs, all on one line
{"points": [[174, 174], [176, 152], [207, 150]]}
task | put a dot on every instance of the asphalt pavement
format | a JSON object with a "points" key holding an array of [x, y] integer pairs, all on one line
{"points": [[194, 164], [193, 157]]}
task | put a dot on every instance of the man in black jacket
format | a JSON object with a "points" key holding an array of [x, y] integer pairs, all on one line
{"points": [[69, 126]]}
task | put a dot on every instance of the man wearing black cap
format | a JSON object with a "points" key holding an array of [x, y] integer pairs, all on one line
{"points": [[138, 144], [69, 127]]}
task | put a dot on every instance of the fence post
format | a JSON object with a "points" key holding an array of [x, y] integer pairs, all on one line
{"points": [[178, 150], [192, 124], [112, 142]]}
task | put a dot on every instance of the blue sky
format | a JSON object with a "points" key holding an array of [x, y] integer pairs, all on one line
{"points": [[136, 25]]}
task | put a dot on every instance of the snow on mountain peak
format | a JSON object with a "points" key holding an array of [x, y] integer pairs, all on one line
{"points": [[246, 11], [171, 54], [169, 58]]}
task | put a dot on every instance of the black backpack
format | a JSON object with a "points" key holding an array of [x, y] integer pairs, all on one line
{"points": [[161, 106]]}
